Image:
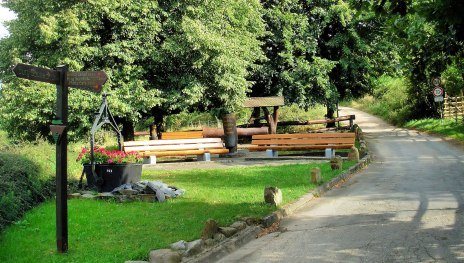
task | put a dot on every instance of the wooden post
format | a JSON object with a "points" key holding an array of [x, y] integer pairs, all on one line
{"points": [[62, 164]]}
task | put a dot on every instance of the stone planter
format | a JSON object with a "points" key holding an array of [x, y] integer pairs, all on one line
{"points": [[113, 175]]}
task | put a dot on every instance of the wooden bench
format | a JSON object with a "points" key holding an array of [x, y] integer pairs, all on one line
{"points": [[182, 135], [272, 143], [152, 149]]}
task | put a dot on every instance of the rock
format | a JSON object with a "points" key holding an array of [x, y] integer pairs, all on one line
{"points": [[89, 196], [128, 192], [140, 186], [316, 175], [137, 261], [211, 242], [336, 163], [227, 231], [105, 195], [74, 196], [179, 245], [160, 196], [239, 225], [272, 196], [122, 187], [194, 247], [179, 192], [146, 197], [251, 221], [219, 237], [164, 256], [211, 228], [353, 155]]}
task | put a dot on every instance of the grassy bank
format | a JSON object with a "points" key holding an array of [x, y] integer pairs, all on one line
{"points": [[102, 231], [447, 127]]}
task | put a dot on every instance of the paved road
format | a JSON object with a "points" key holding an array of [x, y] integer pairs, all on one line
{"points": [[407, 206]]}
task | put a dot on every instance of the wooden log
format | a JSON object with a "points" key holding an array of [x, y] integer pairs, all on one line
{"points": [[218, 133]]}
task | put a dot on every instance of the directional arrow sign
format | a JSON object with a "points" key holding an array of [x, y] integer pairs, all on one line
{"points": [[87, 80], [35, 73]]}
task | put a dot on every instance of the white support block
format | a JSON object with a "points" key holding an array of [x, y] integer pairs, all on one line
{"points": [[149, 160], [329, 153], [206, 157], [272, 153]]}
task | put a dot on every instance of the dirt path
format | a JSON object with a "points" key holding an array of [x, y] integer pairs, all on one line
{"points": [[407, 206]]}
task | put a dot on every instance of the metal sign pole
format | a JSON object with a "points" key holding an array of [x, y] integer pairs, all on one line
{"points": [[85, 80], [62, 164]]}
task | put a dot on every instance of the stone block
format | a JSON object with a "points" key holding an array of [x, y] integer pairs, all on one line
{"points": [[194, 247], [336, 163], [149, 160], [179, 245], [239, 225], [227, 231], [316, 175], [272, 196], [211, 228], [353, 155], [206, 157], [272, 153], [165, 256], [329, 153]]}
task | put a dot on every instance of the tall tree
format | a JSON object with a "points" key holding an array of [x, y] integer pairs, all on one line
{"points": [[161, 57]]}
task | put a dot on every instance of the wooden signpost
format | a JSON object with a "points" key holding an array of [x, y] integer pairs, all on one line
{"points": [[62, 78]]}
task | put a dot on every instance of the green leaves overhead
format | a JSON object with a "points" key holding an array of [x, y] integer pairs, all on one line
{"points": [[168, 56]]}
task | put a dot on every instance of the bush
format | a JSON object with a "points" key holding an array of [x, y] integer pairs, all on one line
{"points": [[21, 187], [389, 100]]}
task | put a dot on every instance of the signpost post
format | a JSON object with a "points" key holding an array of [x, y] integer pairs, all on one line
{"points": [[438, 94], [62, 78]]}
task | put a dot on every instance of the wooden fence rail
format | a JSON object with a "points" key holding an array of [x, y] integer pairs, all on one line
{"points": [[453, 107]]}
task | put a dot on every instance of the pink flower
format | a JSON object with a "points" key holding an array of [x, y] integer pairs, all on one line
{"points": [[110, 161]]}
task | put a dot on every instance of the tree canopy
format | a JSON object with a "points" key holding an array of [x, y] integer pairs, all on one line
{"points": [[164, 57]]}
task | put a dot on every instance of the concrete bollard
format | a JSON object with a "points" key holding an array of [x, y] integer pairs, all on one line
{"points": [[336, 163], [272, 196], [316, 175], [353, 155]]}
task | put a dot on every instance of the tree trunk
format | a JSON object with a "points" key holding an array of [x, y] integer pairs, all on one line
{"points": [[270, 121], [254, 119], [153, 135], [330, 115], [158, 123], [127, 130]]}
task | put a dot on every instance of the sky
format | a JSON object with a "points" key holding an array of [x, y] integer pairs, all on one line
{"points": [[5, 15]]}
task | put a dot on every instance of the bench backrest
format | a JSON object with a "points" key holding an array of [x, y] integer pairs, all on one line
{"points": [[182, 135], [347, 138], [173, 145]]}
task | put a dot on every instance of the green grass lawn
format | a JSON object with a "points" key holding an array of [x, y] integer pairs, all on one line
{"points": [[104, 231], [446, 127]]}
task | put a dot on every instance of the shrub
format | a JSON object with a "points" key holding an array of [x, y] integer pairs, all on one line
{"points": [[389, 100], [20, 187]]}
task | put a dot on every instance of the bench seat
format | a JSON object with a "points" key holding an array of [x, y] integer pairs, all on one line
{"points": [[302, 141], [151, 149]]}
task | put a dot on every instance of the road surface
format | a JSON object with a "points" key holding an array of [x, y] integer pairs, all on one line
{"points": [[407, 206]]}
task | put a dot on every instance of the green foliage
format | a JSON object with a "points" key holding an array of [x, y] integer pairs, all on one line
{"points": [[164, 57], [101, 231], [390, 100], [21, 187], [447, 127], [453, 79]]}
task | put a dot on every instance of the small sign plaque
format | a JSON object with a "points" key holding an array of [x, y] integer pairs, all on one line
{"points": [[35, 73], [437, 91], [87, 80], [438, 98]]}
